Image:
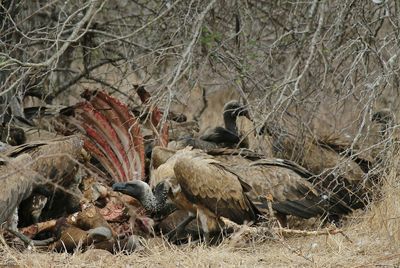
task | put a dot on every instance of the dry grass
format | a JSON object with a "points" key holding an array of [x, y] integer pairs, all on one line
{"points": [[366, 249]]}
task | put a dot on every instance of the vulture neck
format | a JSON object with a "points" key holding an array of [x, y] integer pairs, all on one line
{"points": [[154, 202], [230, 122]]}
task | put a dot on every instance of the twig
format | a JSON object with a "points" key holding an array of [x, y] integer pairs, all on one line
{"points": [[72, 38]]}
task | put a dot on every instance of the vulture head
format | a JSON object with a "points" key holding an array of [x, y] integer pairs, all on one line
{"points": [[234, 109], [137, 189], [155, 203], [384, 116]]}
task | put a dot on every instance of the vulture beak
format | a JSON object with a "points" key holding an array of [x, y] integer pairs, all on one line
{"points": [[246, 114], [119, 187], [100, 234]]}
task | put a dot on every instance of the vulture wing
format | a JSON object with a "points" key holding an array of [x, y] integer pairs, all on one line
{"points": [[291, 193], [235, 156], [57, 160], [205, 181], [163, 162], [193, 142], [220, 135], [54, 159], [16, 183], [339, 174]]}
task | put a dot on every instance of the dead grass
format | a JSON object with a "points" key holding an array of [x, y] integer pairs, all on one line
{"points": [[367, 249], [374, 234]]}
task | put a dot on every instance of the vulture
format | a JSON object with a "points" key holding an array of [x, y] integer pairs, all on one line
{"points": [[203, 187], [340, 174], [376, 143], [56, 162], [227, 136], [341, 169], [290, 186], [193, 181], [17, 182], [290, 189]]}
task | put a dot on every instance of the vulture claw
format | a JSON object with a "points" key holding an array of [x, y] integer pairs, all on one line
{"points": [[30, 242], [176, 233]]}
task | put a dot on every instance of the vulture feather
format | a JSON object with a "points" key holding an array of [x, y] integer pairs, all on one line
{"points": [[290, 186], [214, 190], [56, 161], [227, 136], [16, 184], [198, 184], [338, 173]]}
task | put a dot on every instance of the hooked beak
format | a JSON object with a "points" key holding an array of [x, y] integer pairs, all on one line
{"points": [[119, 186], [246, 114]]}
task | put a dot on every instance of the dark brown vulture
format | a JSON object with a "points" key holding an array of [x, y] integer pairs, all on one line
{"points": [[201, 186], [227, 136]]}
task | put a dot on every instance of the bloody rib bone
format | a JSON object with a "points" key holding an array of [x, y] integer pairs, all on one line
{"points": [[102, 127], [126, 126]]}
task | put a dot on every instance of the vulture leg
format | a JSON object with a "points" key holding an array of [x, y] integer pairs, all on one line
{"points": [[282, 218], [27, 241], [13, 222], [38, 203], [181, 227], [333, 219]]}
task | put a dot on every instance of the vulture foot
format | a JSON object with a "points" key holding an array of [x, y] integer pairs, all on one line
{"points": [[176, 233], [30, 242]]}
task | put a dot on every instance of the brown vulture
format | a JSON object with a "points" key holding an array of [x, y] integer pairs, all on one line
{"points": [[341, 167], [290, 186], [200, 185], [197, 180], [56, 161], [17, 181]]}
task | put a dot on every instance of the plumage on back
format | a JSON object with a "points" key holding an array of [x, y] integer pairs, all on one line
{"points": [[291, 187], [164, 160], [55, 159], [206, 182]]}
